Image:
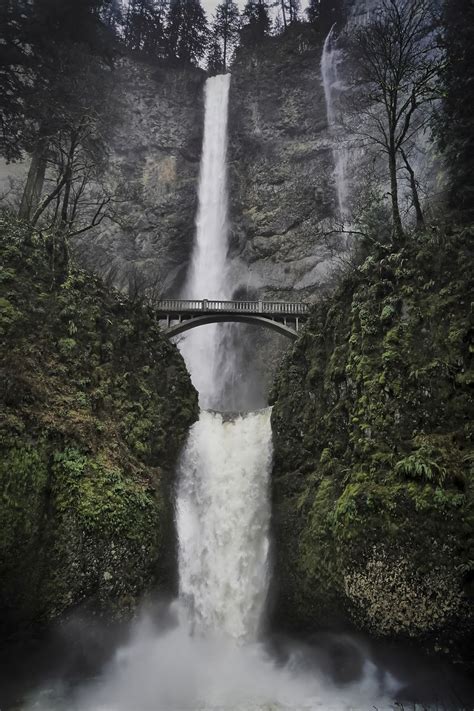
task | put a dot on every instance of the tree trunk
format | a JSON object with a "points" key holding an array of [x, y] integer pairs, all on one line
{"points": [[48, 200], [420, 220], [35, 180], [225, 50], [397, 220], [67, 195], [283, 13]]}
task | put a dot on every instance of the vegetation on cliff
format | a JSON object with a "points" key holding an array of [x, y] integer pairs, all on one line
{"points": [[96, 404], [373, 483]]}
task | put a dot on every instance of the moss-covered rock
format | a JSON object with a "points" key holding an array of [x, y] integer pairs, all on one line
{"points": [[373, 477], [96, 405]]}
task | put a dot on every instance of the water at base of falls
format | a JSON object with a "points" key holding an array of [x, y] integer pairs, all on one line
{"points": [[173, 670], [202, 653]]}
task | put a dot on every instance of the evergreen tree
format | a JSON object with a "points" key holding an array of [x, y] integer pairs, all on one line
{"points": [[290, 10], [17, 74], [187, 30], [145, 26], [313, 11], [323, 14], [226, 28], [457, 127], [215, 61], [45, 46], [257, 23]]}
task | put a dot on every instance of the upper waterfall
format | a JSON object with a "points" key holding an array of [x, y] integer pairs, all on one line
{"points": [[208, 275]]}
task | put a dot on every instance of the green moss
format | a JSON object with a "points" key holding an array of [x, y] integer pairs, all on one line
{"points": [[371, 418], [96, 406]]}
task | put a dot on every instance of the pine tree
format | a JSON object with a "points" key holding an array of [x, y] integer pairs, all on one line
{"points": [[215, 61], [17, 75], [187, 30], [313, 11], [145, 26], [457, 132], [257, 23], [290, 10], [323, 14], [226, 28]]}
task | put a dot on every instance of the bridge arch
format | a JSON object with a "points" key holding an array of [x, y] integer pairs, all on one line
{"points": [[182, 315], [196, 321]]}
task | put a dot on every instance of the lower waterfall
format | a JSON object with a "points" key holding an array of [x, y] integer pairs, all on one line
{"points": [[223, 518]]}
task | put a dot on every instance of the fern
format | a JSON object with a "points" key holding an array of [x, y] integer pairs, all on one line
{"points": [[420, 465]]}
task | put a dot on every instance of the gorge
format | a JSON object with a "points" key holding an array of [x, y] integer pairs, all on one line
{"points": [[234, 520]]}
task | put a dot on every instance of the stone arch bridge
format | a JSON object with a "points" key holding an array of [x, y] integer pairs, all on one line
{"points": [[283, 317]]}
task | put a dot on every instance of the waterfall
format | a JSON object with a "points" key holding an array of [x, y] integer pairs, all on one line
{"points": [[208, 273], [223, 513], [222, 504], [204, 653], [332, 84]]}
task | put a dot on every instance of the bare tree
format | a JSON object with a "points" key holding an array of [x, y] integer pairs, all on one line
{"points": [[398, 64], [75, 198]]}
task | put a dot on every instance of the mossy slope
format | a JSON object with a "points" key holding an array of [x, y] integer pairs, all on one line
{"points": [[96, 405], [372, 485]]}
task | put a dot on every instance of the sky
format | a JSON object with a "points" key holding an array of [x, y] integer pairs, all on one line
{"points": [[210, 5]]}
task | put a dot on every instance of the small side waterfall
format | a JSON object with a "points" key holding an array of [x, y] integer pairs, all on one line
{"points": [[332, 85]]}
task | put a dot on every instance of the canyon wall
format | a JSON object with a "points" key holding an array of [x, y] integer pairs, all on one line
{"points": [[281, 168], [372, 483], [96, 405], [154, 151]]}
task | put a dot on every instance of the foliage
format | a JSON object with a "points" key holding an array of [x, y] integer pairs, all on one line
{"points": [[457, 136], [256, 21], [95, 406], [187, 30], [225, 30], [397, 64], [373, 450], [323, 14]]}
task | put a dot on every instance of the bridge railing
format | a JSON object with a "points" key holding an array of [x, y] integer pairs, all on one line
{"points": [[263, 307]]}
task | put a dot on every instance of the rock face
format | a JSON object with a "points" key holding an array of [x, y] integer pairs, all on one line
{"points": [[373, 481], [281, 167], [96, 404], [154, 153], [281, 173]]}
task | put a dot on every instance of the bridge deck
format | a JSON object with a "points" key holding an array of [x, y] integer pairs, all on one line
{"points": [[170, 307]]}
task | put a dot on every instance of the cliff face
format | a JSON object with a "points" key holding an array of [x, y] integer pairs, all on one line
{"points": [[282, 194], [96, 404], [373, 480], [154, 152], [281, 179], [281, 167]]}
